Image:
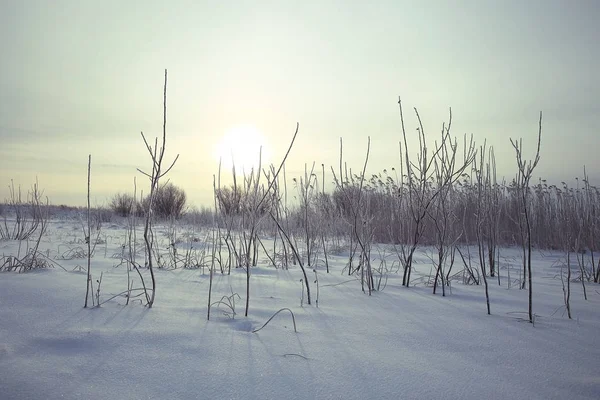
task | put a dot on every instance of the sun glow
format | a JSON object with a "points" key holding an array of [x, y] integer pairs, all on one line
{"points": [[242, 146]]}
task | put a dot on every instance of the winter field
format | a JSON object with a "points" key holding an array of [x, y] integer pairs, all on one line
{"points": [[316, 200], [397, 343]]}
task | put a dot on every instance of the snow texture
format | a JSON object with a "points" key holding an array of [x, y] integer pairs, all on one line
{"points": [[399, 343]]}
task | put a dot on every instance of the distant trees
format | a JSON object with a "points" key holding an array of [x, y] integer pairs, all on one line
{"points": [[169, 202], [235, 200]]}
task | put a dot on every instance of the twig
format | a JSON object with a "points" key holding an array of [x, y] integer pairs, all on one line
{"points": [[294, 354], [273, 316], [340, 283]]}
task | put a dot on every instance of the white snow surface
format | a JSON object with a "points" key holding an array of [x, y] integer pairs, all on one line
{"points": [[399, 343]]}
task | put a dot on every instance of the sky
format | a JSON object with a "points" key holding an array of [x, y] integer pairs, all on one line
{"points": [[86, 77]]}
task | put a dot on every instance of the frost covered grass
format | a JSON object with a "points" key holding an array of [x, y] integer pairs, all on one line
{"points": [[398, 343]]}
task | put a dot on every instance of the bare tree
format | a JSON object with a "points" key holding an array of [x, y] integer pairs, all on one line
{"points": [[481, 218], [156, 154], [306, 190], [421, 191], [525, 170], [356, 211], [273, 184], [446, 172], [88, 240]]}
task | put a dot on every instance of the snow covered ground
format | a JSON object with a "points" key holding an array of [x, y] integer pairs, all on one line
{"points": [[399, 343]]}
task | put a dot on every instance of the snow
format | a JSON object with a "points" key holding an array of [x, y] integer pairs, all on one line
{"points": [[399, 343]]}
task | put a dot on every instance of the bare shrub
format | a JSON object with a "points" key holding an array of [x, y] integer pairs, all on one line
{"points": [[102, 215], [229, 200], [122, 204], [169, 201], [235, 200], [31, 261], [356, 212], [422, 189], [27, 215], [202, 216], [22, 229]]}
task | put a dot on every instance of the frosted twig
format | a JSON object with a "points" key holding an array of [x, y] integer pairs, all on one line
{"points": [[273, 316], [294, 354]]}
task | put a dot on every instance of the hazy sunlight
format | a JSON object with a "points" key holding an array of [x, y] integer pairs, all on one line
{"points": [[241, 145]]}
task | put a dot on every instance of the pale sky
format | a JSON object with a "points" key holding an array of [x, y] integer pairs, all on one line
{"points": [[81, 77]]}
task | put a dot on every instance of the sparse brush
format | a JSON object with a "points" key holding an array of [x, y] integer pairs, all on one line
{"points": [[30, 262], [27, 215], [229, 303], [122, 204], [72, 254]]}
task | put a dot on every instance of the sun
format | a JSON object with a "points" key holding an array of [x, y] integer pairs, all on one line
{"points": [[242, 146]]}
